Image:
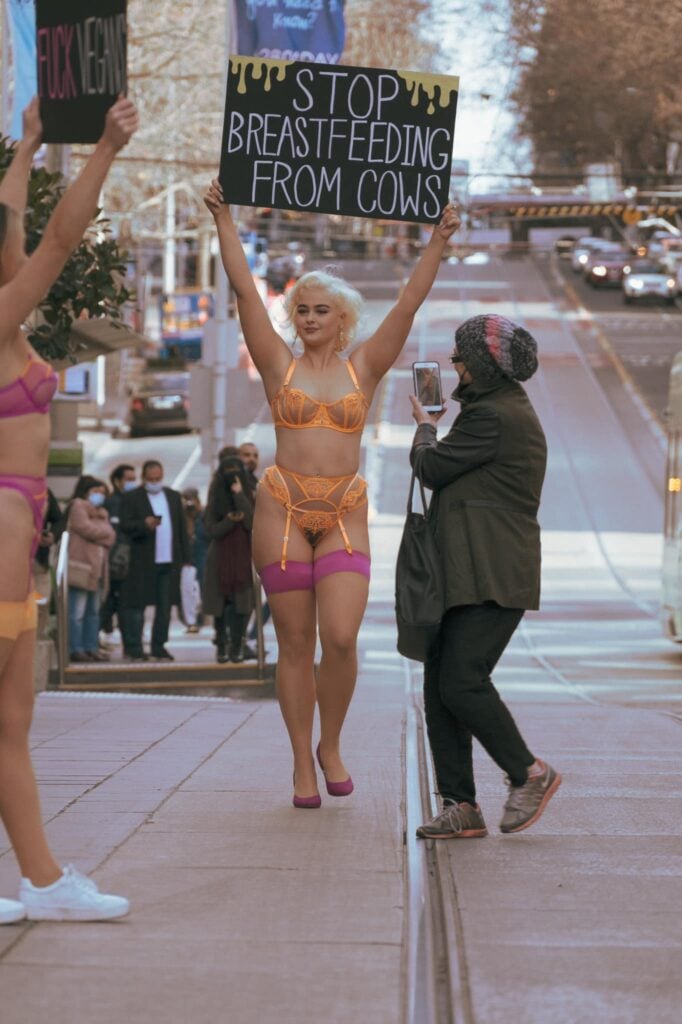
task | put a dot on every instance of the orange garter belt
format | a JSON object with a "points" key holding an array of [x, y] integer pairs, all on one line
{"points": [[315, 503]]}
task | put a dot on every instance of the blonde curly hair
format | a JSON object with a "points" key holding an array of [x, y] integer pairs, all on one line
{"points": [[343, 296]]}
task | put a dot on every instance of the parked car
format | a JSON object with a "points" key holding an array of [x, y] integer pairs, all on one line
{"points": [[584, 247], [644, 279], [160, 403], [606, 268]]}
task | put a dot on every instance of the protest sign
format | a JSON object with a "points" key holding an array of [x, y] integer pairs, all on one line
{"points": [[280, 29], [365, 142], [81, 60]]}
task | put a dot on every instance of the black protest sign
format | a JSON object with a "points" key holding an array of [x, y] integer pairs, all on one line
{"points": [[365, 142], [81, 56]]}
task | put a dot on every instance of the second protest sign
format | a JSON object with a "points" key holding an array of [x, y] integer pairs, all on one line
{"points": [[366, 142]]}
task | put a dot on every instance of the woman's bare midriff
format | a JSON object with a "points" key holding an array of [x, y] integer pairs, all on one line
{"points": [[24, 445], [318, 451]]}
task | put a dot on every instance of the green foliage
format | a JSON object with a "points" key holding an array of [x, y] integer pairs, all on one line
{"points": [[92, 281]]}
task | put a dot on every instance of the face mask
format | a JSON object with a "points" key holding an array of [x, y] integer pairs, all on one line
{"points": [[154, 488], [129, 485], [96, 499]]}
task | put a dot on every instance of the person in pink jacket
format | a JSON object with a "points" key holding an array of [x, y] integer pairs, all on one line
{"points": [[90, 537]]}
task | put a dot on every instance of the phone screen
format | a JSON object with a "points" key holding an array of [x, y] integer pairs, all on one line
{"points": [[427, 385]]}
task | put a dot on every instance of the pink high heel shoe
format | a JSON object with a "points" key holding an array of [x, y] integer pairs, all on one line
{"points": [[306, 802], [335, 788]]}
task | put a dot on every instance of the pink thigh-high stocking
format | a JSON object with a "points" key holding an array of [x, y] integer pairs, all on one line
{"points": [[296, 576], [341, 561]]}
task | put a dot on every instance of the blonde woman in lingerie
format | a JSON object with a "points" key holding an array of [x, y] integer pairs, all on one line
{"points": [[27, 385], [310, 533]]}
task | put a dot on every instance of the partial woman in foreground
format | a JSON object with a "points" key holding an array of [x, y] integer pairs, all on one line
{"points": [[27, 386], [310, 534]]}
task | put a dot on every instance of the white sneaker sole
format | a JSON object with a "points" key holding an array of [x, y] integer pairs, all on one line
{"points": [[12, 916], [74, 914]]}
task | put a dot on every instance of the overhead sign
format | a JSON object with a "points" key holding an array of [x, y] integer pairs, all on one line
{"points": [[81, 61], [366, 142], [311, 30]]}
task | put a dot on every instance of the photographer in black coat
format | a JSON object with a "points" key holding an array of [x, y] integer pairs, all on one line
{"points": [[153, 520]]}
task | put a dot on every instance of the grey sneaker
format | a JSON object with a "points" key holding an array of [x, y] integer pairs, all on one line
{"points": [[526, 803], [455, 821]]}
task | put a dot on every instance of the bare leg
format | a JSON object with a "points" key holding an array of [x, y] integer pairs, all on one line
{"points": [[19, 800], [293, 615], [294, 619], [342, 599]]}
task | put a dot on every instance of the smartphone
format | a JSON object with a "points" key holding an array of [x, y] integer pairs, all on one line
{"points": [[427, 385]]}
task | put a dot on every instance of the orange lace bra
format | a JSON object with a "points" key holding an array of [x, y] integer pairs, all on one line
{"points": [[293, 408]]}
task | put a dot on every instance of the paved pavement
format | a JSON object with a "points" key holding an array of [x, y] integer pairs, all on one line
{"points": [[246, 910]]}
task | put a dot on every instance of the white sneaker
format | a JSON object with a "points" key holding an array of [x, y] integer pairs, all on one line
{"points": [[11, 911], [73, 897]]}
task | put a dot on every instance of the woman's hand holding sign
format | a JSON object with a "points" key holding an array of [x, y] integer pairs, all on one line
{"points": [[32, 126], [450, 222], [121, 123], [214, 199]]}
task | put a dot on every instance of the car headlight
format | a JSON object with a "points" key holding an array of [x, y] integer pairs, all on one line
{"points": [[671, 282], [582, 258], [599, 271], [635, 283], [626, 269]]}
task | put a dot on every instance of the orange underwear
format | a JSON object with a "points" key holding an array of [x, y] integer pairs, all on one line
{"points": [[18, 617], [316, 503]]}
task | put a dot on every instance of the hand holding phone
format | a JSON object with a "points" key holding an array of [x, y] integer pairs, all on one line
{"points": [[427, 385]]}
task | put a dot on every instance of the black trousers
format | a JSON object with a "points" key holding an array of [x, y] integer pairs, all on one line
{"points": [[461, 702], [132, 619], [111, 606]]}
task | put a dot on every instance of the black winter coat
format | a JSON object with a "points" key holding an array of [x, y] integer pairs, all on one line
{"points": [[137, 590], [487, 476]]}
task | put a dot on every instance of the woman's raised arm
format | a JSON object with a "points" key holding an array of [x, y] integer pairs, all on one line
{"points": [[374, 357], [14, 185], [267, 349], [67, 224]]}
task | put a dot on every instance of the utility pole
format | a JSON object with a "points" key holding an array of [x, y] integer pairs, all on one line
{"points": [[225, 354]]}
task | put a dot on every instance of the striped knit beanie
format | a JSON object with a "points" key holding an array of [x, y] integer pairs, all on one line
{"points": [[490, 345]]}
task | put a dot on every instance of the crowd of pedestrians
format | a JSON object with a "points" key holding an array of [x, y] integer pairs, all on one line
{"points": [[135, 545]]}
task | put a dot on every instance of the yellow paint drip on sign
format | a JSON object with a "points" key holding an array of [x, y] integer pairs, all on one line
{"points": [[261, 67], [415, 82]]}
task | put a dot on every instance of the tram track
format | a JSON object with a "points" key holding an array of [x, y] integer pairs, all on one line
{"points": [[436, 977]]}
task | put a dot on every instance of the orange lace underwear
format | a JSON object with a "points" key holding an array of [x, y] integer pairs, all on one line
{"points": [[316, 503]]}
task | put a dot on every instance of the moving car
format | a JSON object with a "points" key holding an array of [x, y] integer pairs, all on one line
{"points": [[643, 279], [606, 268], [584, 247], [160, 403]]}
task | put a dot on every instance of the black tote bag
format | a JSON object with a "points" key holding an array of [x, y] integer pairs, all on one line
{"points": [[419, 584]]}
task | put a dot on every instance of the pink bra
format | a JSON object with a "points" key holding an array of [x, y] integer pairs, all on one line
{"points": [[31, 392]]}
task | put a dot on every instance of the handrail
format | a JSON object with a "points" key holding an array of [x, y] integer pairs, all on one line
{"points": [[62, 602]]}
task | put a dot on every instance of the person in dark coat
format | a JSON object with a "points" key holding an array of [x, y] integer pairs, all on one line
{"points": [[153, 520], [486, 475], [198, 545], [122, 479], [228, 576]]}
